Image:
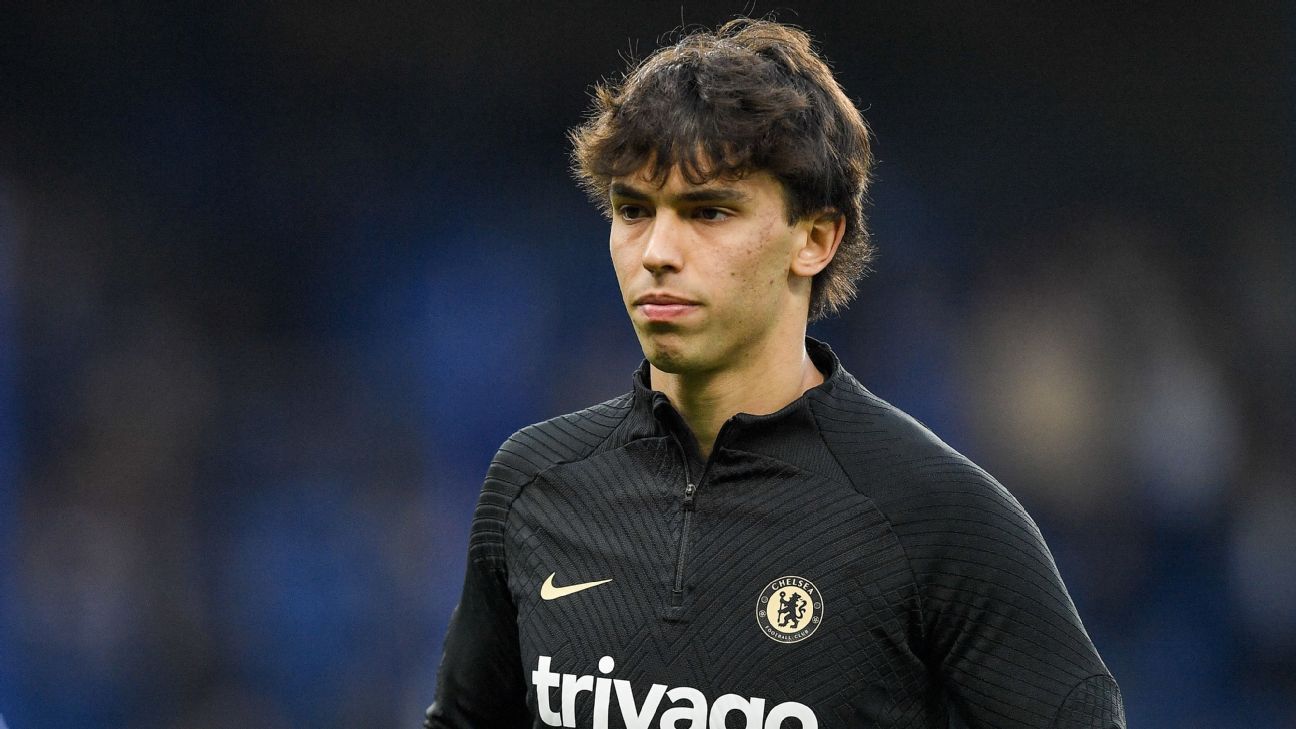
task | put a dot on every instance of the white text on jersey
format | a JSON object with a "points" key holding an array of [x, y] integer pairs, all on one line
{"points": [[688, 703]]}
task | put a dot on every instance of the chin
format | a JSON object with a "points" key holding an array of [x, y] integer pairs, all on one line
{"points": [[668, 363], [675, 354], [666, 359], [668, 352]]}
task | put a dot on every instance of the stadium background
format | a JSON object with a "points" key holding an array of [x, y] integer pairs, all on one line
{"points": [[275, 280]]}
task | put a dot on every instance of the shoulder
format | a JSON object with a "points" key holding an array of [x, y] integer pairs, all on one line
{"points": [[997, 620], [532, 450], [559, 440], [891, 456], [940, 504]]}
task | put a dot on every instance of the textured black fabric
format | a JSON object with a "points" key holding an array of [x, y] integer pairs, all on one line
{"points": [[929, 585]]}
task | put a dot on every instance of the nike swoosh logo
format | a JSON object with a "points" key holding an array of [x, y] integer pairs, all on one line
{"points": [[549, 592]]}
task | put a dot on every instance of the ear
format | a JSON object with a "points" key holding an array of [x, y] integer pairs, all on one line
{"points": [[820, 243]]}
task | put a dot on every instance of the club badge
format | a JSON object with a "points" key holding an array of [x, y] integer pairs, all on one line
{"points": [[790, 609]]}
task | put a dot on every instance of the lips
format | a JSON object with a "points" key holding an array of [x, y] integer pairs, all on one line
{"points": [[662, 306]]}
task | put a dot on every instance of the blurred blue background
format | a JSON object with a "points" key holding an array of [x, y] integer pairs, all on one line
{"points": [[277, 279]]}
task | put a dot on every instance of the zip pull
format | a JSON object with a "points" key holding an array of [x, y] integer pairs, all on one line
{"points": [[688, 496]]}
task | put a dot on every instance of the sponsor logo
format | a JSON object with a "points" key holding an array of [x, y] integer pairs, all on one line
{"points": [[548, 591], [789, 609], [687, 704]]}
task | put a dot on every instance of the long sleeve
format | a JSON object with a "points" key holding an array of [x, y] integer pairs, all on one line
{"points": [[1001, 629], [993, 623], [480, 683]]}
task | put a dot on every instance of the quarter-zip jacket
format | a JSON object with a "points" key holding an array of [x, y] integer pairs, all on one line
{"points": [[833, 564]]}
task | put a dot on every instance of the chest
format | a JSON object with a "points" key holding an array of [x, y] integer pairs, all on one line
{"points": [[752, 584]]}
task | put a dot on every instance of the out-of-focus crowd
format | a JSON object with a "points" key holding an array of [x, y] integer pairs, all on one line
{"points": [[275, 284]]}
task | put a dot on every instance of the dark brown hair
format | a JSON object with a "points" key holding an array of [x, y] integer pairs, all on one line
{"points": [[751, 96]]}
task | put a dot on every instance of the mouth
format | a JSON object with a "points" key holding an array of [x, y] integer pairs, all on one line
{"points": [[662, 307]]}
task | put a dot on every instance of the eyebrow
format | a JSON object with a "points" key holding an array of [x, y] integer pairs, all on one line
{"points": [[699, 195]]}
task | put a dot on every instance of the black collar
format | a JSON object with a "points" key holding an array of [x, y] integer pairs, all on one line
{"points": [[743, 431]]}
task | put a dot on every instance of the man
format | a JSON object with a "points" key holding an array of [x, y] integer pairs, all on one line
{"points": [[749, 538]]}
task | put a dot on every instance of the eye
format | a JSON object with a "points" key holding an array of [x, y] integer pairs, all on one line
{"points": [[713, 215], [632, 212]]}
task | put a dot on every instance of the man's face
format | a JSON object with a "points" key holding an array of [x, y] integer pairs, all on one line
{"points": [[706, 270]]}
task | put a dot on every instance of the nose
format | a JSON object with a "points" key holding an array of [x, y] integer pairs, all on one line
{"points": [[664, 250]]}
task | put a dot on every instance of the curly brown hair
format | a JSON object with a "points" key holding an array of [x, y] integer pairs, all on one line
{"points": [[752, 95]]}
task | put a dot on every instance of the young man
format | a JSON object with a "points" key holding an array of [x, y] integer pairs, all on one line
{"points": [[749, 538]]}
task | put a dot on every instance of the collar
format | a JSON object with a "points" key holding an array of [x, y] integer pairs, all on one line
{"points": [[756, 433]]}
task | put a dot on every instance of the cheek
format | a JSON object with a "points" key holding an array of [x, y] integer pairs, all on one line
{"points": [[763, 264], [755, 280], [623, 259]]}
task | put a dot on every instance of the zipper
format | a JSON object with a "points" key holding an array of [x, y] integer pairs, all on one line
{"points": [[677, 589], [677, 594], [690, 493]]}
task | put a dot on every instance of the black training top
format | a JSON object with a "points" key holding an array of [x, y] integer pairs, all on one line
{"points": [[832, 564]]}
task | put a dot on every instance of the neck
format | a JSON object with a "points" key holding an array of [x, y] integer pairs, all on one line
{"points": [[761, 383]]}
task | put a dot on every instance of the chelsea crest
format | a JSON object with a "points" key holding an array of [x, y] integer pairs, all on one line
{"points": [[789, 609]]}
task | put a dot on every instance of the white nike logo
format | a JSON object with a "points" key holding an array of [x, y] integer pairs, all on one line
{"points": [[549, 592]]}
